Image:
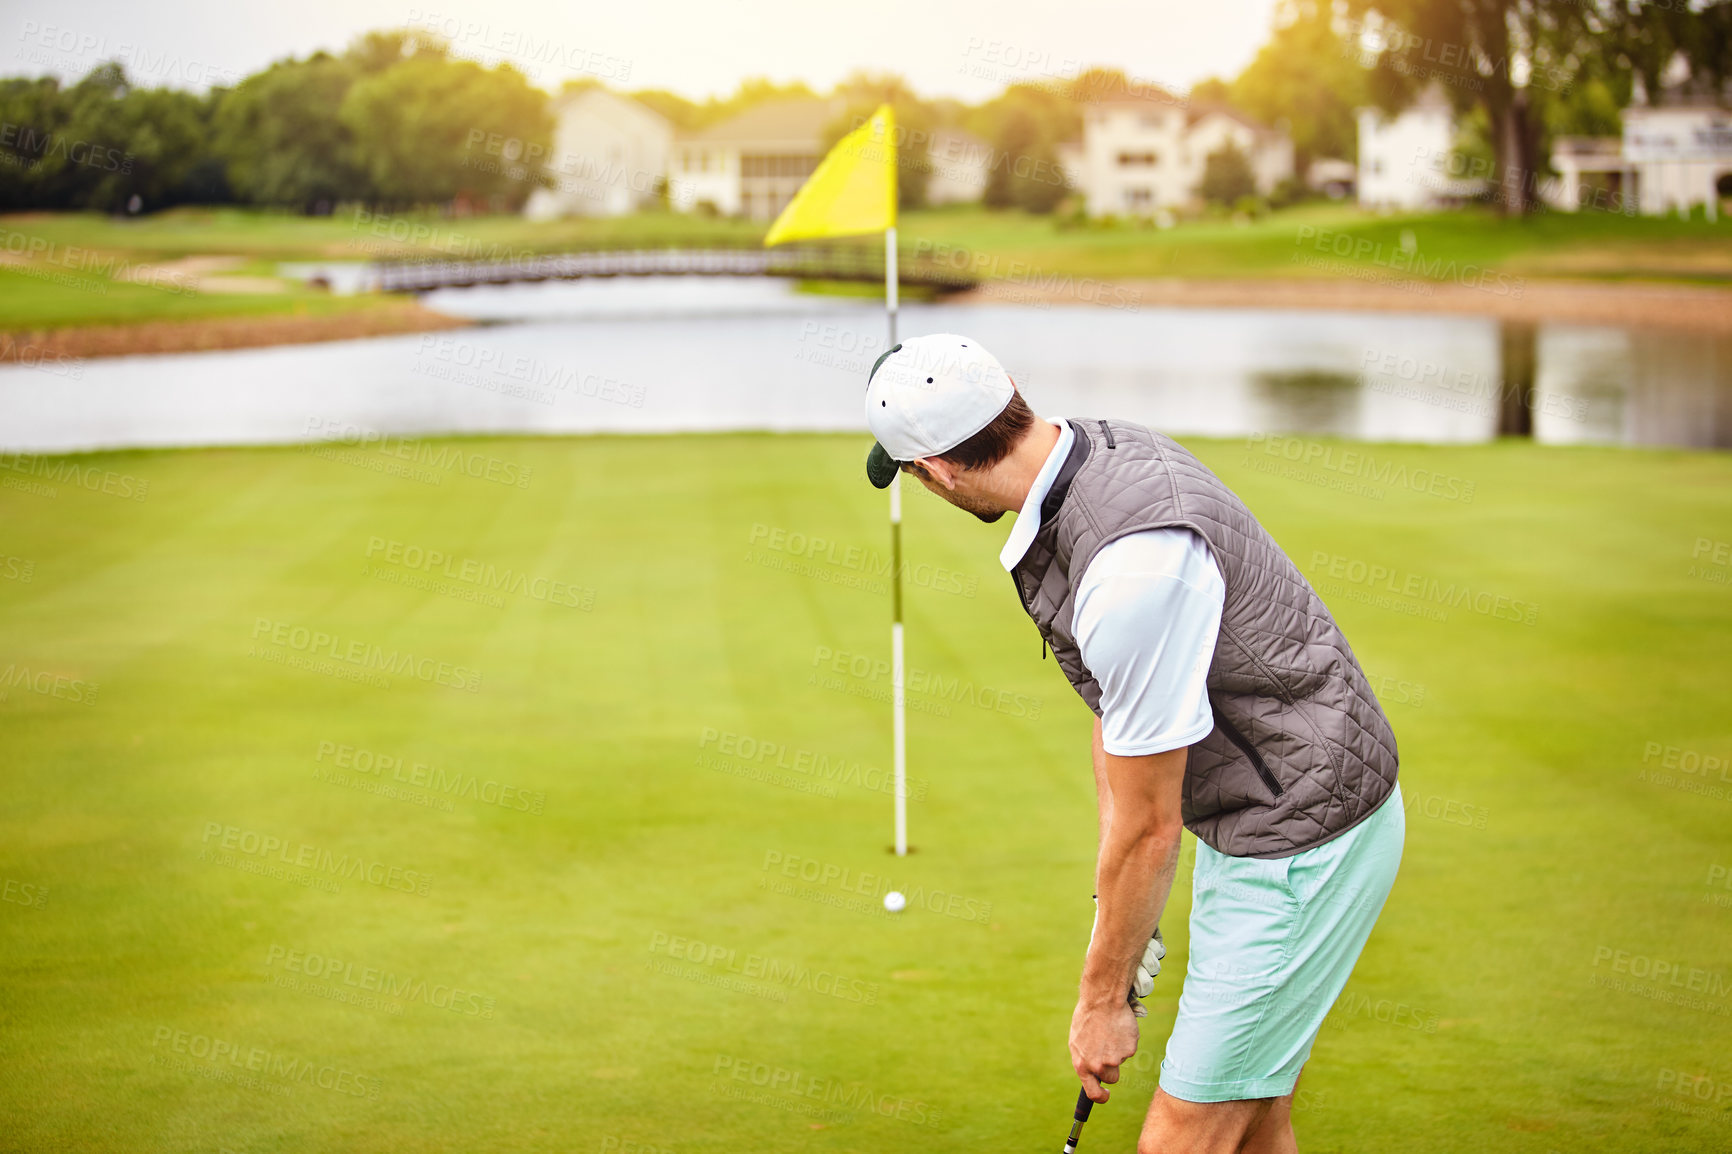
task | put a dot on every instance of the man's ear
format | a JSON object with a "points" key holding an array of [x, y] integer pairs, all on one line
{"points": [[941, 471]]}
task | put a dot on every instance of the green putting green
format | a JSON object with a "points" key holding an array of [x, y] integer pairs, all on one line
{"points": [[528, 795]]}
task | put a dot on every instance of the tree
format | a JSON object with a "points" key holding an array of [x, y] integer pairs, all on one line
{"points": [[281, 135], [674, 108], [429, 128], [1214, 90], [101, 142], [1646, 39], [753, 91], [861, 95], [165, 135], [1309, 77], [1474, 49], [384, 48], [32, 115], [1227, 176], [1025, 125]]}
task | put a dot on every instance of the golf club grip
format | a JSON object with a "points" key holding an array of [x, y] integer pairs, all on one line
{"points": [[1083, 1106]]}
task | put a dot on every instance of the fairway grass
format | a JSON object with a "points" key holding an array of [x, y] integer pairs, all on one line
{"points": [[593, 863]]}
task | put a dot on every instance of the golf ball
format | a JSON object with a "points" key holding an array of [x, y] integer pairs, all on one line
{"points": [[894, 901]]}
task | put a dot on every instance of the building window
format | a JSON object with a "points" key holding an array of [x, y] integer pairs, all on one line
{"points": [[1150, 120], [1138, 198], [769, 166], [1138, 159]]}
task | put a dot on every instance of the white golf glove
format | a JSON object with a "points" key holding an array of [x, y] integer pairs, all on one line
{"points": [[1143, 984], [1148, 969]]}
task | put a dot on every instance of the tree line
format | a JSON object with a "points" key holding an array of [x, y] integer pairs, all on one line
{"points": [[394, 121], [1518, 73], [397, 120]]}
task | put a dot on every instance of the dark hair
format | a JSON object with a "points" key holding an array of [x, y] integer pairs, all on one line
{"points": [[994, 443]]}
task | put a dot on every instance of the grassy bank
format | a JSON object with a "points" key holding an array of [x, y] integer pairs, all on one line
{"points": [[39, 299], [72, 269], [76, 269], [1574, 245], [263, 895]]}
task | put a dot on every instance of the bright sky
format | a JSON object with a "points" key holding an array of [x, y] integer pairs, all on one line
{"points": [[966, 49]]}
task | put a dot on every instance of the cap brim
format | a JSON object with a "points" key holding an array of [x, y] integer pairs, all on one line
{"points": [[881, 467]]}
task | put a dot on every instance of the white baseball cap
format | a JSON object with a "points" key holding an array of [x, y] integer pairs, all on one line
{"points": [[928, 395]]}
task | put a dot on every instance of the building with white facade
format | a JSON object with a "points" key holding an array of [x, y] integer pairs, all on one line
{"points": [[1146, 152], [608, 157], [1405, 159], [751, 164], [1672, 157], [1334, 178], [1591, 173], [1070, 162], [959, 161]]}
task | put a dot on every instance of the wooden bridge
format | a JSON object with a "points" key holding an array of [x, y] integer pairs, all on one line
{"points": [[805, 262]]}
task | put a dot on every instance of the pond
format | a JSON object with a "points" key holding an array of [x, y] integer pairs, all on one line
{"points": [[702, 354]]}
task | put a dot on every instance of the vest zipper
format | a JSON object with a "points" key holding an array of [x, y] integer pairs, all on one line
{"points": [[1108, 434], [1043, 647], [1246, 748]]}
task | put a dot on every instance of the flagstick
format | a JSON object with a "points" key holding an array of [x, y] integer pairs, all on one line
{"points": [[899, 718], [899, 724], [890, 284], [838, 200]]}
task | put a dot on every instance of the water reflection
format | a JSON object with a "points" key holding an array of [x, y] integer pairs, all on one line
{"points": [[702, 354], [1638, 386], [1308, 401]]}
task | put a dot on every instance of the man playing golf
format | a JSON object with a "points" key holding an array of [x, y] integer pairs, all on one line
{"points": [[1227, 702]]}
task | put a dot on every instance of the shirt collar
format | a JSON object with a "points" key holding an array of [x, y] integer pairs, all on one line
{"points": [[1028, 519]]}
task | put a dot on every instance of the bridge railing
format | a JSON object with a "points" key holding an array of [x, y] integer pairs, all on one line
{"points": [[806, 262]]}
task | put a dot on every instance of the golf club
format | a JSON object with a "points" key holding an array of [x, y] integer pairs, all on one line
{"points": [[1083, 1106]]}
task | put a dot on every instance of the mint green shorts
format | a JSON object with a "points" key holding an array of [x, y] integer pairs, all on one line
{"points": [[1273, 941]]}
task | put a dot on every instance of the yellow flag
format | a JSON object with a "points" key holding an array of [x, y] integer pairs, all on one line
{"points": [[853, 190]]}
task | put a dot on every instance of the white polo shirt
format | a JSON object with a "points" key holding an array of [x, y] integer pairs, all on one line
{"points": [[1148, 609]]}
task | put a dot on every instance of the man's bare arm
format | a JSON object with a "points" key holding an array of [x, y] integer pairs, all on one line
{"points": [[1139, 854]]}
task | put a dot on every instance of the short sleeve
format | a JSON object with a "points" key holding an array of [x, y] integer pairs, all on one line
{"points": [[1147, 615]]}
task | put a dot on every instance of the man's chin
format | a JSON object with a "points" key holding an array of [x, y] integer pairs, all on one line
{"points": [[989, 518]]}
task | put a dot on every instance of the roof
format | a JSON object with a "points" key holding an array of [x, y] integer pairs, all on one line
{"points": [[1588, 146], [789, 123], [1704, 107], [951, 132], [952, 143], [590, 92], [1201, 112], [1152, 95], [1136, 95]]}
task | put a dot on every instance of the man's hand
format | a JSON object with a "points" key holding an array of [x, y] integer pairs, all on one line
{"points": [[1140, 832], [1102, 1038]]}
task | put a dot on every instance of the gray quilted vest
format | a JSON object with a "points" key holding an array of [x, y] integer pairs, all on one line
{"points": [[1301, 751]]}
